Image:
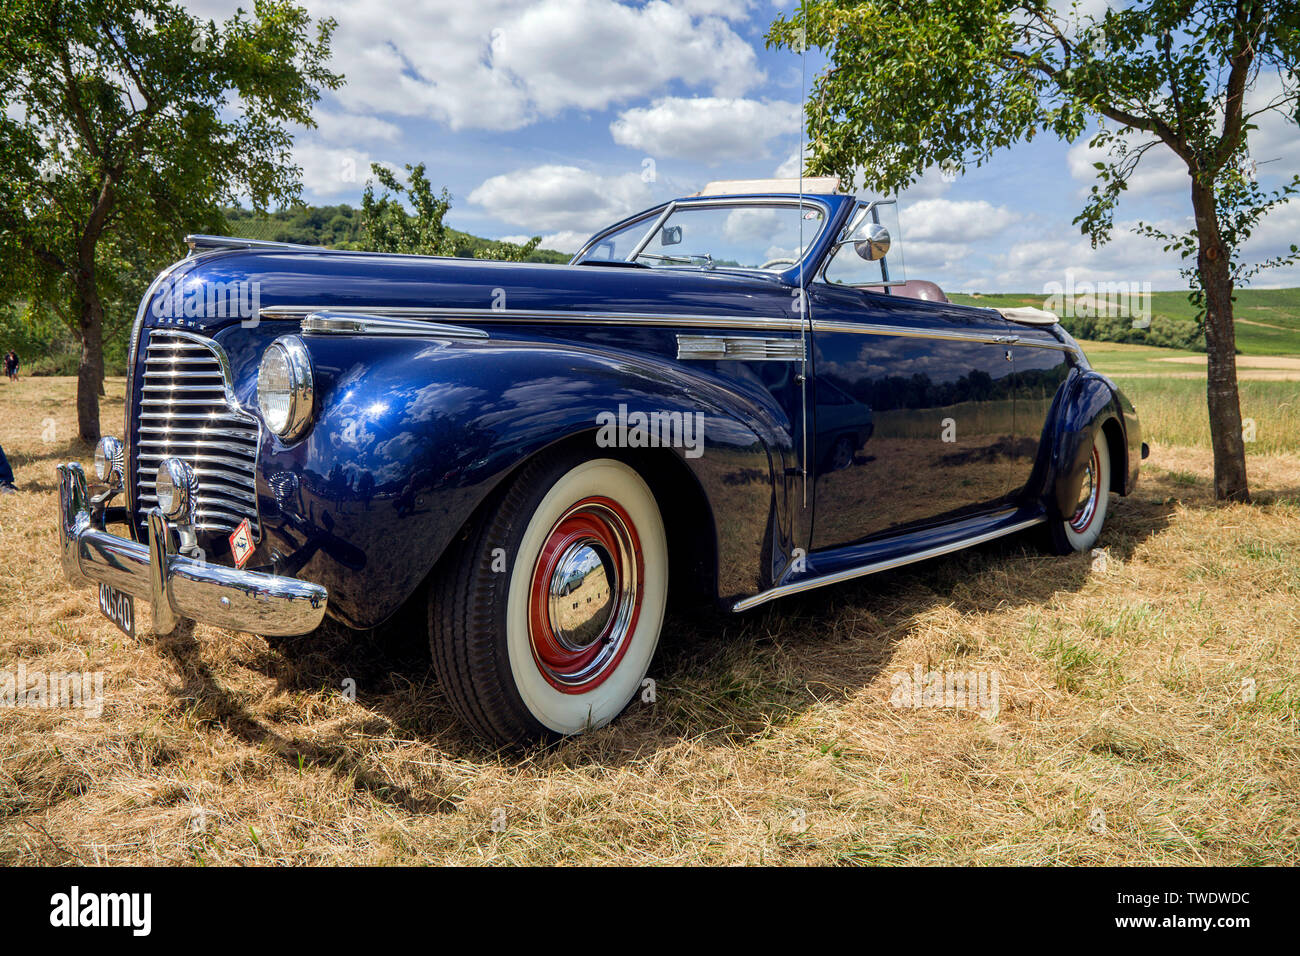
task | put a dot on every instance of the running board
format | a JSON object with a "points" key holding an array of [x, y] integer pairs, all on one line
{"points": [[848, 574]]}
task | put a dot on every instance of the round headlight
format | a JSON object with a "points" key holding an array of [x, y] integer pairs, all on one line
{"points": [[285, 389], [175, 488], [108, 461]]}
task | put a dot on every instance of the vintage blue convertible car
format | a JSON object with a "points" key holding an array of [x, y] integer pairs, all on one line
{"points": [[730, 396]]}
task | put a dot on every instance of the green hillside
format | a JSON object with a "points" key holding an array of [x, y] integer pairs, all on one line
{"points": [[1268, 320]]}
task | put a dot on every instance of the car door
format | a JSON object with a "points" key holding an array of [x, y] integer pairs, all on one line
{"points": [[913, 414]]}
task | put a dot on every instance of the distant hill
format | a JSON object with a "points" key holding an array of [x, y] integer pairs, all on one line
{"points": [[340, 227], [1267, 320]]}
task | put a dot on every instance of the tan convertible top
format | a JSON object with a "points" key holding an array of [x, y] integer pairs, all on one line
{"points": [[1027, 315]]}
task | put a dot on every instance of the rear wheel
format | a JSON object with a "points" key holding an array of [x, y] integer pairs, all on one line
{"points": [[1080, 531], [545, 621]]}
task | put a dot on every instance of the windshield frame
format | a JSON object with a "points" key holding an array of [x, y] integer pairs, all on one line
{"points": [[811, 244]]}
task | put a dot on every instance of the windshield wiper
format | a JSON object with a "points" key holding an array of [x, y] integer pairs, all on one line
{"points": [[686, 259]]}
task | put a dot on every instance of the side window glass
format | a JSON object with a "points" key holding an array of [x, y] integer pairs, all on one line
{"points": [[848, 268]]}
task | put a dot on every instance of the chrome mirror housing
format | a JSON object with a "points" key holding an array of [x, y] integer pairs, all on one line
{"points": [[872, 242]]}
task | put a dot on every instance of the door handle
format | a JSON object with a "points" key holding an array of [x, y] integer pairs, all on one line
{"points": [[1008, 339]]}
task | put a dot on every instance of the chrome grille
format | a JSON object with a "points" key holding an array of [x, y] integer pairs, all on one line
{"points": [[185, 411]]}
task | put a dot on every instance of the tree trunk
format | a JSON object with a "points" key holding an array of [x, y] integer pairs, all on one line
{"points": [[90, 369], [1222, 396]]}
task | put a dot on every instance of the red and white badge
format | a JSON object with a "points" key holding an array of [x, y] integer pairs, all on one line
{"points": [[241, 543]]}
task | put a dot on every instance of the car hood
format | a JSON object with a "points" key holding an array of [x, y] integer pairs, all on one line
{"points": [[214, 289]]}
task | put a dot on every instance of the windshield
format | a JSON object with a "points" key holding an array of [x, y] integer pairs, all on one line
{"points": [[771, 236]]}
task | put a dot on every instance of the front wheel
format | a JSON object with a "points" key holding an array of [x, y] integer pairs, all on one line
{"points": [[546, 620], [1080, 531]]}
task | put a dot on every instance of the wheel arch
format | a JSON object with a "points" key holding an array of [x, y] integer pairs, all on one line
{"points": [[683, 504]]}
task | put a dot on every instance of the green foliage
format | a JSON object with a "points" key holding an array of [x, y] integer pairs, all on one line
{"points": [[341, 227], [390, 228], [1268, 323], [333, 226], [129, 123], [918, 83], [1163, 332]]}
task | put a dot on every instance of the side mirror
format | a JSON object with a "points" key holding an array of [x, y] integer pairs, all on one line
{"points": [[670, 235], [874, 242]]}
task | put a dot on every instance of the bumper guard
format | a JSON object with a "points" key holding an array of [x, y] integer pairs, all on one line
{"points": [[177, 586]]}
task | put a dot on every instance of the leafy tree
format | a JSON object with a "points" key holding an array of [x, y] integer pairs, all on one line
{"points": [[389, 228], [916, 83], [128, 123]]}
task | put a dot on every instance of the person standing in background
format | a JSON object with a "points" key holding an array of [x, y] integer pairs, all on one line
{"points": [[11, 365], [6, 473]]}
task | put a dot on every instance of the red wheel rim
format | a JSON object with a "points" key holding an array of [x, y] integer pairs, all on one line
{"points": [[584, 596], [1088, 508]]}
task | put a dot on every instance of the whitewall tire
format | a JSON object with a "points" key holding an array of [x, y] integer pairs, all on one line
{"points": [[559, 641]]}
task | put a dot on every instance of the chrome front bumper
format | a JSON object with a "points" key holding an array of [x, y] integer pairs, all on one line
{"points": [[177, 586]]}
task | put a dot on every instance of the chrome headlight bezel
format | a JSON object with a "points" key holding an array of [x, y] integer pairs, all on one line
{"points": [[175, 480], [298, 394], [109, 458]]}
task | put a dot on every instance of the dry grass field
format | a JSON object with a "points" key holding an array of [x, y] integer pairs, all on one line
{"points": [[1149, 712]]}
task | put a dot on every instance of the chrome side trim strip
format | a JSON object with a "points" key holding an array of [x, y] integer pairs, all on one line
{"points": [[848, 574], [359, 323], [928, 332], [739, 348], [434, 313], [772, 323]]}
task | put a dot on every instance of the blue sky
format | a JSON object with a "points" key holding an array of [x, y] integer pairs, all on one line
{"points": [[556, 117]]}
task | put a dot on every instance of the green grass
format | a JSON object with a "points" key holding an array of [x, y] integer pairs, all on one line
{"points": [[1256, 311], [1173, 409], [1173, 412]]}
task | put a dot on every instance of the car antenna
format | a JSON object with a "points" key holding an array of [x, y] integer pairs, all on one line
{"points": [[805, 332]]}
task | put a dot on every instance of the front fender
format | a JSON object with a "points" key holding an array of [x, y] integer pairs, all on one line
{"points": [[411, 437]]}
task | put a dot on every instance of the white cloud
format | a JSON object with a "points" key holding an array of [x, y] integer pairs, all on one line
{"points": [[709, 129], [501, 64], [562, 198], [1278, 136], [727, 9], [789, 168], [1274, 236], [331, 171], [567, 241], [930, 185], [350, 127], [1028, 265], [1159, 171], [954, 220], [933, 260]]}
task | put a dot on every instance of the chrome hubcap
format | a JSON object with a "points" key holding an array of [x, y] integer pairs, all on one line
{"points": [[582, 594], [1088, 494], [585, 595]]}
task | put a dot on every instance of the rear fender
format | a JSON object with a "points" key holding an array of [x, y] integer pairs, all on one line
{"points": [[1085, 405]]}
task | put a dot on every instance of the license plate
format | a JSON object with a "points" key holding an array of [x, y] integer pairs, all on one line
{"points": [[119, 608]]}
